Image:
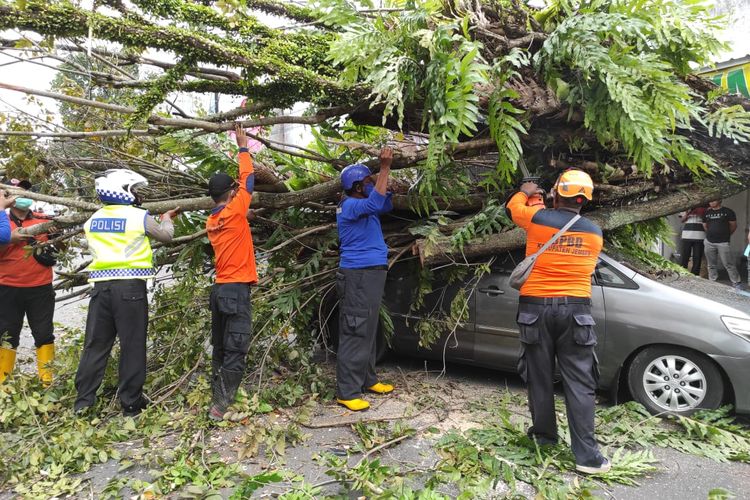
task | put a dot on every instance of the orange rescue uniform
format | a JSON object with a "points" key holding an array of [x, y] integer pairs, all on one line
{"points": [[565, 268], [229, 232], [18, 267]]}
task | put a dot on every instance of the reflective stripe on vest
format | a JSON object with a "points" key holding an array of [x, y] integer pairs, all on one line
{"points": [[118, 244]]}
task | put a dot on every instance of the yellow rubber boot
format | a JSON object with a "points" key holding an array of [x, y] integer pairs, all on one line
{"points": [[44, 357], [381, 388], [7, 362], [354, 404]]}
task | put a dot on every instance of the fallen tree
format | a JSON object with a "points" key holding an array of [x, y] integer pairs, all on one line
{"points": [[462, 91]]}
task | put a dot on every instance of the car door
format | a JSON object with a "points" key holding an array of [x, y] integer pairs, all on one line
{"points": [[401, 287], [455, 342], [496, 341], [496, 337]]}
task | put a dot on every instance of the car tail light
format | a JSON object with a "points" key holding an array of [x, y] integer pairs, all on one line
{"points": [[738, 326]]}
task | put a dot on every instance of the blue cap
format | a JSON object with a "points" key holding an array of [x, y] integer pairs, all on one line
{"points": [[354, 173]]}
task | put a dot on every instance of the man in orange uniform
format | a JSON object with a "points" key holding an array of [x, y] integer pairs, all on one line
{"points": [[26, 290], [554, 314], [231, 318]]}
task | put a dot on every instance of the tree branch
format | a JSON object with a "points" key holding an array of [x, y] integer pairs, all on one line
{"points": [[66, 20], [181, 123], [80, 135]]}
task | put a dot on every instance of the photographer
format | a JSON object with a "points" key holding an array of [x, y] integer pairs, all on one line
{"points": [[26, 289]]}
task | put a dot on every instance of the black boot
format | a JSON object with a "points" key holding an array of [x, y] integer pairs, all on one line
{"points": [[135, 409], [225, 385]]}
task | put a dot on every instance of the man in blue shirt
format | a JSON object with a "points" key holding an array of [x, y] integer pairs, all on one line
{"points": [[360, 280]]}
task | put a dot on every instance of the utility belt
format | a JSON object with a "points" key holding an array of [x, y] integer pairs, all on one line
{"points": [[109, 283], [548, 301], [368, 268]]}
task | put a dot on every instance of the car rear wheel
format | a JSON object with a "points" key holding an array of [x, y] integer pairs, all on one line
{"points": [[675, 380]]}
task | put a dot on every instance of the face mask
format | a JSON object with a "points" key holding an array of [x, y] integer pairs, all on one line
{"points": [[23, 203], [368, 189]]}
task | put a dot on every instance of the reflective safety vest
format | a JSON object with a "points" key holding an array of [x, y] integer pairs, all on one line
{"points": [[118, 244]]}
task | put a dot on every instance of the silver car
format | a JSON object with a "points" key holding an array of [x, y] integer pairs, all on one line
{"points": [[674, 351]]}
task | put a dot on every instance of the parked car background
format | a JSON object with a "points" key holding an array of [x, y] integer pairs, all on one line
{"points": [[673, 351]]}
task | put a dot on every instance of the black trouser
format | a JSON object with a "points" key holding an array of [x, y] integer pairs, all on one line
{"points": [[117, 309], [37, 303], [566, 331], [360, 293], [694, 247], [231, 324]]}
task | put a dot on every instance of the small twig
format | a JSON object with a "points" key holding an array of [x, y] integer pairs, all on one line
{"points": [[78, 293], [399, 254], [384, 445], [406, 381], [176, 385], [296, 238], [36, 420]]}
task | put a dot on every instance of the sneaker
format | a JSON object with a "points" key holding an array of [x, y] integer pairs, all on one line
{"points": [[605, 466], [738, 286]]}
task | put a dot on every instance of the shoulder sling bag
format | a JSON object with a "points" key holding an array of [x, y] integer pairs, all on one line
{"points": [[523, 270]]}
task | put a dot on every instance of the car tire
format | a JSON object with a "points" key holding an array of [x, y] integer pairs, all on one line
{"points": [[675, 380], [331, 333]]}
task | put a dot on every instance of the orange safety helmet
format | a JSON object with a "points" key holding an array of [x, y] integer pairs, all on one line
{"points": [[572, 183]]}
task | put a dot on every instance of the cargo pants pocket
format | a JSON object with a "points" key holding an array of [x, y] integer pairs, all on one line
{"points": [[523, 366], [528, 327], [583, 330], [226, 301], [595, 370], [528, 334], [237, 337], [354, 322]]}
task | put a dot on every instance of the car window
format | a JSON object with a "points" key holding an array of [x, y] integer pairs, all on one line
{"points": [[606, 275]]}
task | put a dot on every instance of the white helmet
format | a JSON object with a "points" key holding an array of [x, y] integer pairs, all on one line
{"points": [[117, 185]]}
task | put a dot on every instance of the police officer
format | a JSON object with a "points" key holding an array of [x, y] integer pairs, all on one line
{"points": [[360, 279], [26, 289], [117, 236], [554, 315], [231, 319]]}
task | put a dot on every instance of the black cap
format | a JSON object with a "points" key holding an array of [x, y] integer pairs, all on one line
{"points": [[219, 184], [23, 184]]}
